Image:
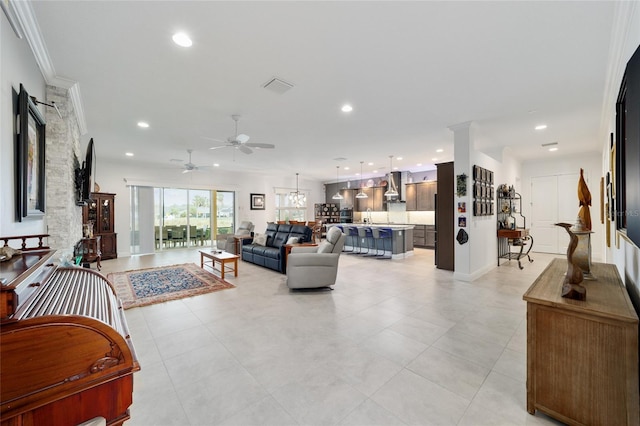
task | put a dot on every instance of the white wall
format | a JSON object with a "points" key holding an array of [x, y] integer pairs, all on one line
{"points": [[484, 247], [623, 253], [558, 165], [17, 65], [114, 177]]}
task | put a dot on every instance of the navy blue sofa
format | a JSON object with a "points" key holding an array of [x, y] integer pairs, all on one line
{"points": [[272, 254]]}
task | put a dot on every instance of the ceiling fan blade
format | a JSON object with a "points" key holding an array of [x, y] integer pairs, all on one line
{"points": [[221, 146], [260, 145], [245, 149], [213, 139], [186, 171], [242, 138]]}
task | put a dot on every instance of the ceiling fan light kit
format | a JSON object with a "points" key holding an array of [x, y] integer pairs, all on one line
{"points": [[241, 141]]}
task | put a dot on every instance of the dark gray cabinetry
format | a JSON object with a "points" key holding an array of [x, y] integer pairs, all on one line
{"points": [[424, 236], [421, 196]]}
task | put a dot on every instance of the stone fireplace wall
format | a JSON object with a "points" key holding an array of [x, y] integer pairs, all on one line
{"points": [[64, 152]]}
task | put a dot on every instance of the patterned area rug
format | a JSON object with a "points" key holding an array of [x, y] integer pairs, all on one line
{"points": [[155, 285]]}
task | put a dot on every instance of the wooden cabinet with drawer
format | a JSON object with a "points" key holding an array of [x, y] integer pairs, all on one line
{"points": [[582, 356]]}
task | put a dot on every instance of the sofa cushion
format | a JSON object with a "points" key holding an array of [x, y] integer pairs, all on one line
{"points": [[325, 247], [260, 239], [279, 239], [292, 240]]}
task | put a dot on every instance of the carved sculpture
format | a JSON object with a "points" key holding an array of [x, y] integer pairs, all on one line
{"points": [[571, 287], [584, 198]]}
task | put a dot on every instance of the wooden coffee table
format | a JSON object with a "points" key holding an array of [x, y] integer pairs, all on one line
{"points": [[223, 258]]}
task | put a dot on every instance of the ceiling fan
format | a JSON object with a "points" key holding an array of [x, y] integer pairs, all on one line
{"points": [[241, 141], [190, 167]]}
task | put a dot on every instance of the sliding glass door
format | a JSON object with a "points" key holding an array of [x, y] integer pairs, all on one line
{"points": [[182, 218]]}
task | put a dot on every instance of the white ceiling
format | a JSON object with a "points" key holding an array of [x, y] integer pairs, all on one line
{"points": [[410, 70]]}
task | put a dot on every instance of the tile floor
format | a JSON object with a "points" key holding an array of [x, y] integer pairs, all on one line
{"points": [[397, 342]]}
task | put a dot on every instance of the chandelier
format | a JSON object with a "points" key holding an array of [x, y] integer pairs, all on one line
{"points": [[361, 194], [297, 198], [391, 192], [337, 195]]}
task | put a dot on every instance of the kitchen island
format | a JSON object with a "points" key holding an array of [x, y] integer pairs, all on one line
{"points": [[400, 245]]}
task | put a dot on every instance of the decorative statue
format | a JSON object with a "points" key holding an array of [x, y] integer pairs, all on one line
{"points": [[571, 287], [584, 197]]}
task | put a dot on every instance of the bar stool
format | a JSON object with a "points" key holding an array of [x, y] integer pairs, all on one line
{"points": [[382, 235], [366, 234], [353, 236]]}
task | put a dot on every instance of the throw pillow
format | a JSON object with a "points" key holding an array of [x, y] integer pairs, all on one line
{"points": [[292, 240], [260, 239]]}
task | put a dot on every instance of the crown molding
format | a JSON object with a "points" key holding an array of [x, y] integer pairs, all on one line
{"points": [[29, 24], [623, 15]]}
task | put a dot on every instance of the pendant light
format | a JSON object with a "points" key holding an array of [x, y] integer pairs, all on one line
{"points": [[337, 195], [361, 194], [297, 198], [391, 192]]}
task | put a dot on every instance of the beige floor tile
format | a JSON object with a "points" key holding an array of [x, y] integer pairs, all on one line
{"points": [[395, 342]]}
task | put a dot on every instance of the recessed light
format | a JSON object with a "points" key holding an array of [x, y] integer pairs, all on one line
{"points": [[346, 168], [374, 171], [395, 168], [216, 165], [143, 124], [398, 158], [439, 150], [369, 164], [129, 154], [541, 126], [555, 148], [181, 39], [347, 108], [419, 164], [434, 159]]}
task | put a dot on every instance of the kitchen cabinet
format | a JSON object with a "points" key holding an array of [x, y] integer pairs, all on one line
{"points": [[349, 198], [424, 236], [425, 196], [376, 201], [410, 197], [420, 196], [99, 212], [430, 236]]}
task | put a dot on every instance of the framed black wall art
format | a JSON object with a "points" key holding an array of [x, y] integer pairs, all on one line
{"points": [[30, 158], [257, 201]]}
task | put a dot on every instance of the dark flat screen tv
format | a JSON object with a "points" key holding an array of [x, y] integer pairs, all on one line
{"points": [[84, 176]]}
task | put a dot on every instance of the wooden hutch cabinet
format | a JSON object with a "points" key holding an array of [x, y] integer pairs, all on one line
{"points": [[100, 212]]}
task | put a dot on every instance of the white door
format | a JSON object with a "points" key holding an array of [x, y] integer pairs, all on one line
{"points": [[544, 208], [553, 199]]}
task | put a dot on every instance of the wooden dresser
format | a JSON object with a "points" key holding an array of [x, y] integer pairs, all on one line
{"points": [[65, 351], [582, 356]]}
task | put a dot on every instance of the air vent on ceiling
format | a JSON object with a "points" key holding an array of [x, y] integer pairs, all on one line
{"points": [[277, 85]]}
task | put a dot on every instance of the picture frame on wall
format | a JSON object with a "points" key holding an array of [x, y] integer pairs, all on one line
{"points": [[30, 158], [257, 201]]}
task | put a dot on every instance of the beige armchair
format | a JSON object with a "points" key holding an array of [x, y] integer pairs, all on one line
{"points": [[314, 267], [226, 242]]}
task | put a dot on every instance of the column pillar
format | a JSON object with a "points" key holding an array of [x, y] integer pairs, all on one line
{"points": [[463, 145]]}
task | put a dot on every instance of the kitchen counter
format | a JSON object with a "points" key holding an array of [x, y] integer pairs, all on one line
{"points": [[401, 244]]}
